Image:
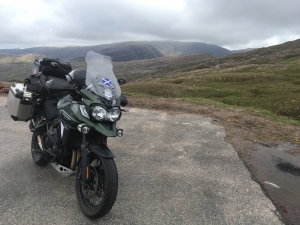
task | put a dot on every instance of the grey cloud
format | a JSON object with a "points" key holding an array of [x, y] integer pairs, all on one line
{"points": [[226, 23], [243, 21]]}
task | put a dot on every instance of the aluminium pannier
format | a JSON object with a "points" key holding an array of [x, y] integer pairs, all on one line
{"points": [[19, 104]]}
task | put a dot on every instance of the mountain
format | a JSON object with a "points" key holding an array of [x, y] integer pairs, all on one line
{"points": [[127, 51], [119, 52], [16, 67], [177, 48]]}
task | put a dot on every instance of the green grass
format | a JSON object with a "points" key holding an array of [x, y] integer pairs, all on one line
{"points": [[275, 93], [251, 110]]}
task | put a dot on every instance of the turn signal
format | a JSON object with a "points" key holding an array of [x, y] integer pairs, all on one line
{"points": [[87, 173]]}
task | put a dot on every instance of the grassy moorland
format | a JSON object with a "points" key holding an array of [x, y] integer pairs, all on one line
{"points": [[265, 81], [16, 67]]}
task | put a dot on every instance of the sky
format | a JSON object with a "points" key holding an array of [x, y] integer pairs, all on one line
{"points": [[233, 24]]}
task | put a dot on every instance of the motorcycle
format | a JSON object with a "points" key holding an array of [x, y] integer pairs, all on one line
{"points": [[71, 121]]}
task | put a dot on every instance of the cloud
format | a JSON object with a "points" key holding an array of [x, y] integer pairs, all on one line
{"points": [[233, 24]]}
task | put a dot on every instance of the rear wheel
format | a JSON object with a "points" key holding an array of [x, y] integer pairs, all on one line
{"points": [[97, 196], [36, 152]]}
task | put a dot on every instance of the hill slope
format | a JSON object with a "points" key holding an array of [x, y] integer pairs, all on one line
{"points": [[266, 79], [16, 67], [176, 66]]}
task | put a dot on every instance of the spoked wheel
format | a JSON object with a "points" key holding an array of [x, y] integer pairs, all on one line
{"points": [[98, 195], [36, 152]]}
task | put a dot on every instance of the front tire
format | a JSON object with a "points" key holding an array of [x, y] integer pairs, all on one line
{"points": [[98, 196]]}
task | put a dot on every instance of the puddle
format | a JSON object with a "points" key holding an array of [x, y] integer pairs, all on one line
{"points": [[279, 172]]}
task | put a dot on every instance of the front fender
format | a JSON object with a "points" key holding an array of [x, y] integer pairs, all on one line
{"points": [[102, 151]]}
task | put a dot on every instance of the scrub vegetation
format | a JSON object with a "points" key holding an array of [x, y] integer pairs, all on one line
{"points": [[264, 81]]}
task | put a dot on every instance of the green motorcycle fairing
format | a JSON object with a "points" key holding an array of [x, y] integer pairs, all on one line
{"points": [[71, 114]]}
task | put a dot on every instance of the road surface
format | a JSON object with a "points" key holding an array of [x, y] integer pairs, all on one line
{"points": [[173, 169]]}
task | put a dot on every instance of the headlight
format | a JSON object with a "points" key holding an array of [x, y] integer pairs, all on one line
{"points": [[114, 114], [98, 113]]}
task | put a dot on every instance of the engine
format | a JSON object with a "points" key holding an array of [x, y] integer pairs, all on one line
{"points": [[54, 145], [52, 139]]}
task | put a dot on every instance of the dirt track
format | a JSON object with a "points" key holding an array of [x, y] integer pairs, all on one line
{"points": [[242, 128]]}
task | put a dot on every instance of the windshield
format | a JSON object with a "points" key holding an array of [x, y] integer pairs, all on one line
{"points": [[100, 77]]}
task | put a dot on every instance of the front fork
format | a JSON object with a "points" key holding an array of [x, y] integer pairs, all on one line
{"points": [[85, 165], [86, 157]]}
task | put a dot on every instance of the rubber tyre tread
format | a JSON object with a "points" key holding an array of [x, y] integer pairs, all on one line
{"points": [[39, 160], [110, 193]]}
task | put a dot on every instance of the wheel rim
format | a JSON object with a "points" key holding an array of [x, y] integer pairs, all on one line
{"points": [[92, 193]]}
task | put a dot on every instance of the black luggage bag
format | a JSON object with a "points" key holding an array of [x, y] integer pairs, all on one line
{"points": [[44, 70], [51, 67]]}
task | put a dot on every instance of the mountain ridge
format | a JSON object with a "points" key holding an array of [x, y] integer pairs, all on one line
{"points": [[118, 52], [18, 67], [127, 51]]}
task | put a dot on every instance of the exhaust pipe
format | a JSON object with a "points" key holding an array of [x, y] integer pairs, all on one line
{"points": [[76, 153]]}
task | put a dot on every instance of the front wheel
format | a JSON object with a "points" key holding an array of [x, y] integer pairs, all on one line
{"points": [[97, 196]]}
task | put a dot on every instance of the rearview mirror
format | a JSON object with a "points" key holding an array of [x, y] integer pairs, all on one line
{"points": [[121, 81]]}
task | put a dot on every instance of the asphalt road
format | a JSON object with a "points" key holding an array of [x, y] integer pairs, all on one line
{"points": [[172, 170]]}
